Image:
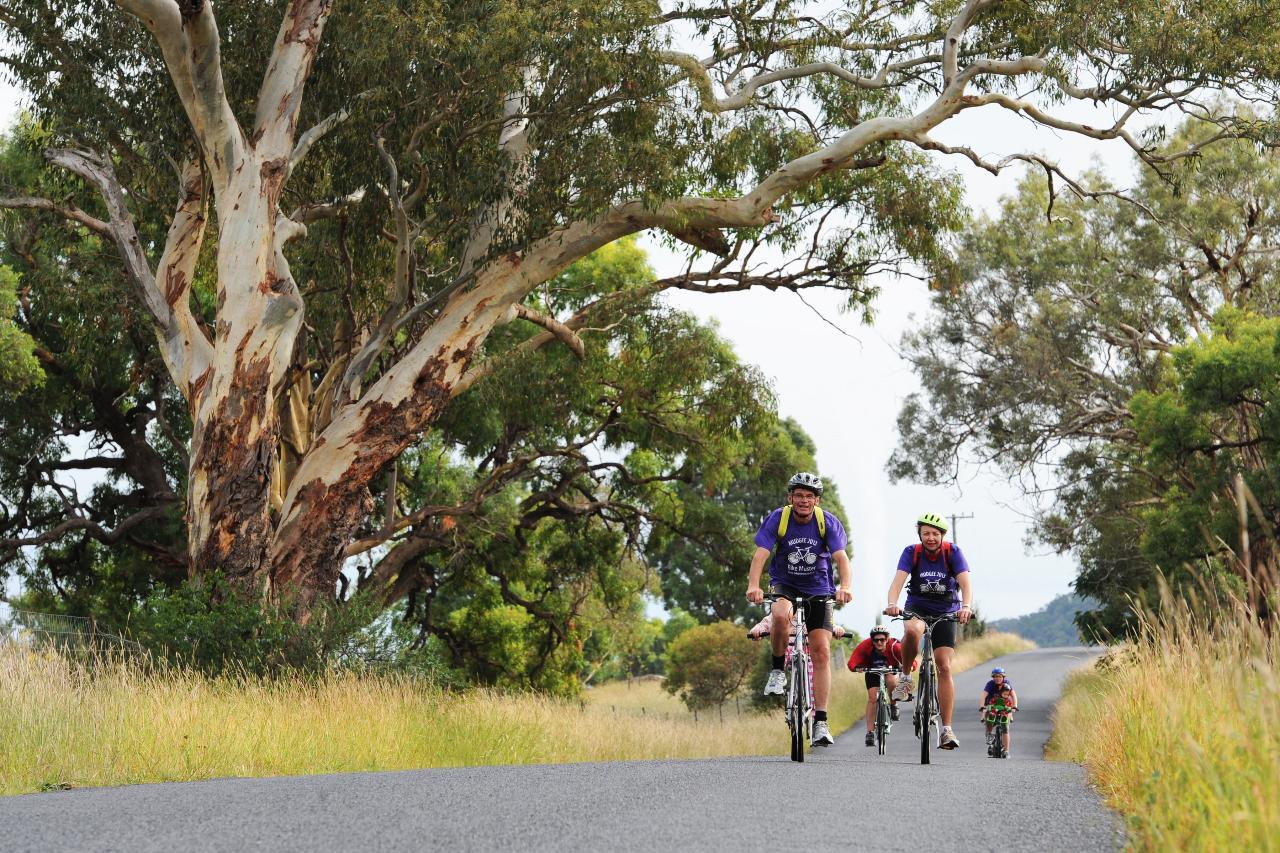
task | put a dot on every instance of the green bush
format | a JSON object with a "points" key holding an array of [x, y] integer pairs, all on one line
{"points": [[210, 626]]}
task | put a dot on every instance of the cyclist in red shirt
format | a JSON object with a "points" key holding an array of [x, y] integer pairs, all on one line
{"points": [[879, 649]]}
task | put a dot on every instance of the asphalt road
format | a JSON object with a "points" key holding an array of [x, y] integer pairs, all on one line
{"points": [[844, 798]]}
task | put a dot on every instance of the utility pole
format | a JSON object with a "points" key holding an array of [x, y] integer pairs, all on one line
{"points": [[954, 518]]}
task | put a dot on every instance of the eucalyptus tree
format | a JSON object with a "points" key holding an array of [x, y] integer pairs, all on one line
{"points": [[391, 181], [1048, 357]]}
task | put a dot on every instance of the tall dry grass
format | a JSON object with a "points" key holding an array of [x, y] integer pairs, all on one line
{"points": [[1180, 730], [63, 724], [992, 644]]}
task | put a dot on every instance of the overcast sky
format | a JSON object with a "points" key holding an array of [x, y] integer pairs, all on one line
{"points": [[846, 389]]}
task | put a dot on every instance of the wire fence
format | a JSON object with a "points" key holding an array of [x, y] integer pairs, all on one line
{"points": [[67, 634]]}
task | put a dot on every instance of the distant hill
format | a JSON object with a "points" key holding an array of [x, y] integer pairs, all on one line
{"points": [[1051, 625]]}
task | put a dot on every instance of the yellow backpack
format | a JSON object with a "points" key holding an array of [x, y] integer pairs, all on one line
{"points": [[822, 524]]}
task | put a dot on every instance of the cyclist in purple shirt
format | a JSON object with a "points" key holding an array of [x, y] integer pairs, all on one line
{"points": [[803, 547], [999, 681], [939, 585]]}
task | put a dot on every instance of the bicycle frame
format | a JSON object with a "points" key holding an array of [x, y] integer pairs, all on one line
{"points": [[999, 728], [883, 723], [927, 712], [799, 704]]}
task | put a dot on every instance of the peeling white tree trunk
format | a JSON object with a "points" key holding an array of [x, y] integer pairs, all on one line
{"points": [[235, 432]]}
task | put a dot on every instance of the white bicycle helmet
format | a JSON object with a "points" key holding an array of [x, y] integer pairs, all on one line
{"points": [[805, 480]]}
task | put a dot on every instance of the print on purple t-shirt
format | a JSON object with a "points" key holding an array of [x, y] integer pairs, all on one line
{"points": [[933, 571], [802, 561]]}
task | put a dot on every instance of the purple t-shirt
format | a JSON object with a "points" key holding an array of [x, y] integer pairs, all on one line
{"points": [[934, 590], [991, 689], [802, 561]]}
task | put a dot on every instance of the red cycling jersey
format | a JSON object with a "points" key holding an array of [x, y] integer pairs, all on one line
{"points": [[862, 654]]}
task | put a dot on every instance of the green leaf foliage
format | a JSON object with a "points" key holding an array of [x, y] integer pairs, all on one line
{"points": [[1116, 356], [708, 664]]}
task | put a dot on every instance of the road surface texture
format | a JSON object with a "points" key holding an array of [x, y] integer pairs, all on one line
{"points": [[844, 798]]}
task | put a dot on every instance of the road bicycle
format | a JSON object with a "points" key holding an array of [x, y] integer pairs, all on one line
{"points": [[927, 712], [999, 719], [883, 721], [799, 702]]}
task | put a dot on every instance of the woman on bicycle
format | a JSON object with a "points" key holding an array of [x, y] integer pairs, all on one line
{"points": [[879, 649], [801, 542], [939, 585]]}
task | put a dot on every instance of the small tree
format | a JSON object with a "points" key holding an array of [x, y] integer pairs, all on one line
{"points": [[708, 664]]}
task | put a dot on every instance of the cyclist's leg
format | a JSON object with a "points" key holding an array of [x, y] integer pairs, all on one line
{"points": [[780, 630], [944, 642], [820, 652], [873, 693], [911, 633], [911, 636]]}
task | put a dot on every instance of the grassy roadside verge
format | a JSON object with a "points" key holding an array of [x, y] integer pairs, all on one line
{"points": [[992, 644], [63, 726], [1180, 731]]}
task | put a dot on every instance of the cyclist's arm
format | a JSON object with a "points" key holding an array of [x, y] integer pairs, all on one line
{"points": [[753, 577], [846, 576], [966, 593], [895, 588]]}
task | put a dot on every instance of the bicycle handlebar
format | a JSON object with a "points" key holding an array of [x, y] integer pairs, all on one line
{"points": [[928, 619], [799, 599], [762, 634], [885, 670]]}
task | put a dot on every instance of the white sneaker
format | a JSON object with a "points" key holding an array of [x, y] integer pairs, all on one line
{"points": [[902, 693], [777, 683], [948, 739], [821, 734]]}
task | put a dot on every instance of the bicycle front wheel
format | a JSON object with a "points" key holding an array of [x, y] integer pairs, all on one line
{"points": [[882, 725], [799, 709], [925, 708]]}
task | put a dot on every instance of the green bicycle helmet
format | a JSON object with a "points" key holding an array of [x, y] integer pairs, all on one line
{"points": [[933, 520]]}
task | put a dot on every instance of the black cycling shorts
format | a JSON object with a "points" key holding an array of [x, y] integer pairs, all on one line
{"points": [[873, 679], [817, 614], [944, 635]]}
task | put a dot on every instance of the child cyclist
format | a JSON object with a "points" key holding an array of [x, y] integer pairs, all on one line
{"points": [[1001, 708], [999, 681]]}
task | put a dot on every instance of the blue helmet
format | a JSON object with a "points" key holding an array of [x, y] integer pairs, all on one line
{"points": [[998, 671]]}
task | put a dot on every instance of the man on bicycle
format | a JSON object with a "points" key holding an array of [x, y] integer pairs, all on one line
{"points": [[939, 585], [803, 548], [878, 650]]}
